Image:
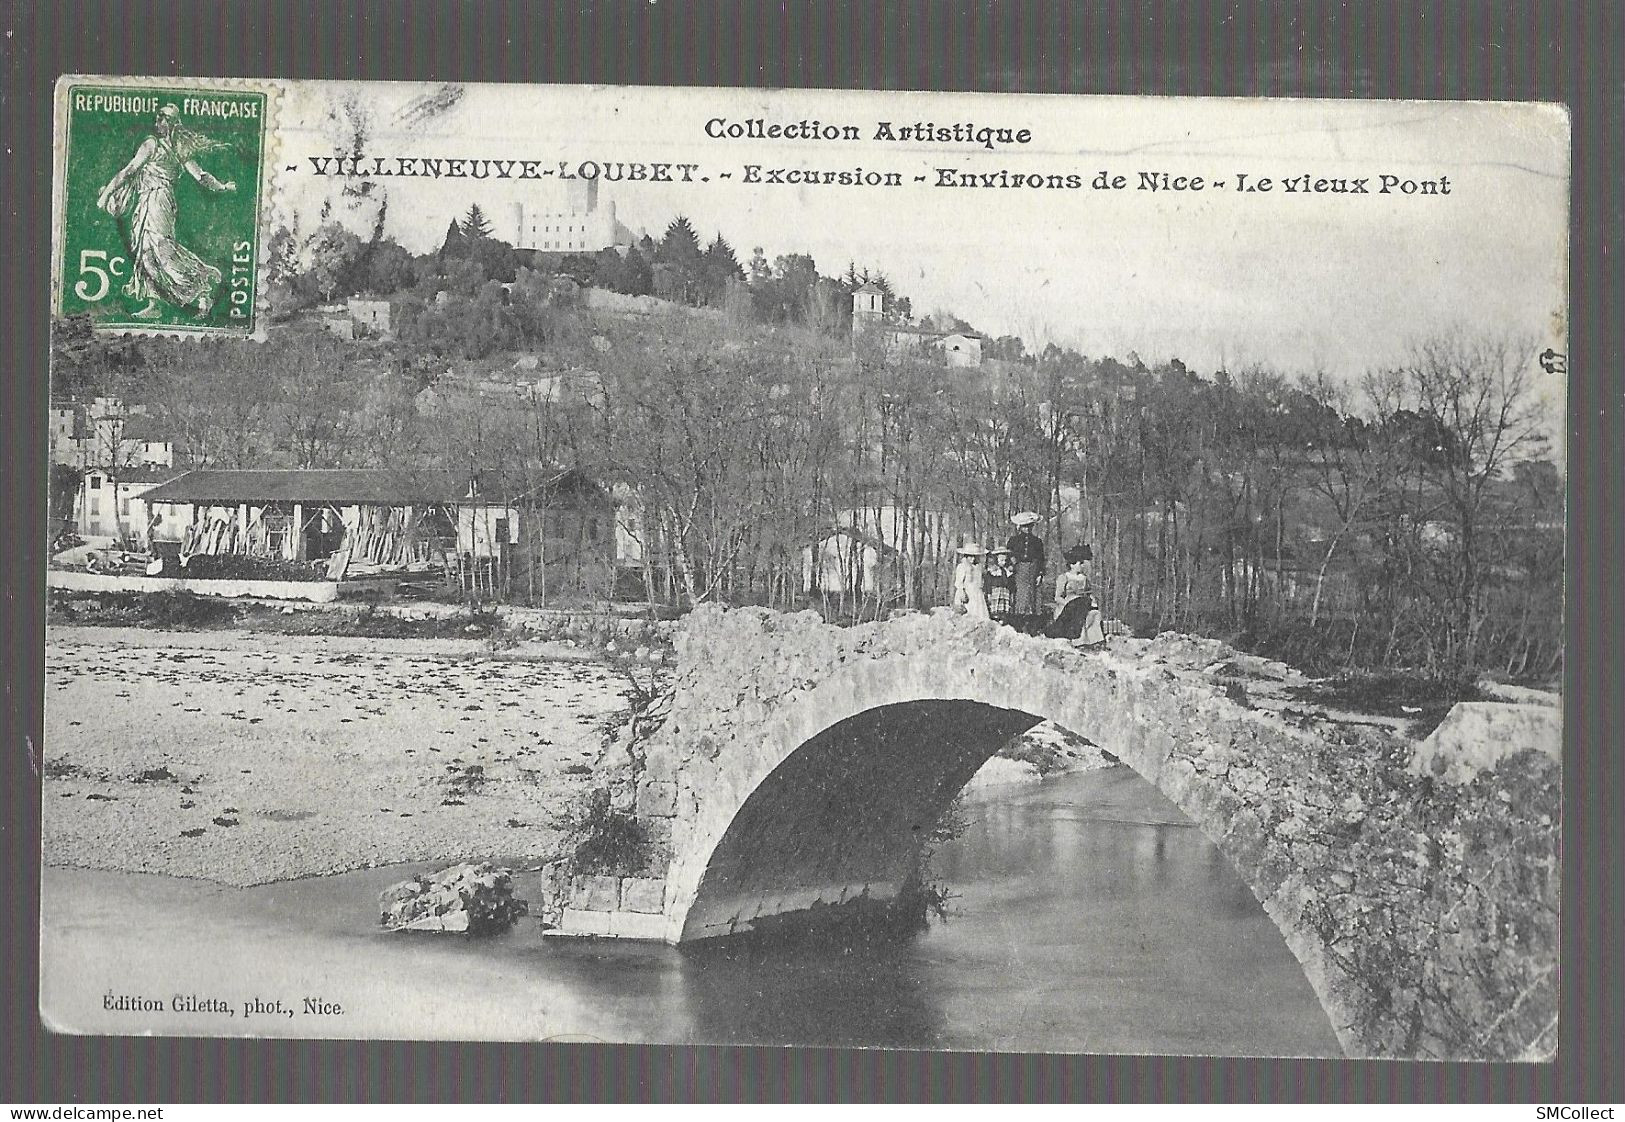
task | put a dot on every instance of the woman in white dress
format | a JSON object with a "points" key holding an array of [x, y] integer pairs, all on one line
{"points": [[968, 590], [161, 269]]}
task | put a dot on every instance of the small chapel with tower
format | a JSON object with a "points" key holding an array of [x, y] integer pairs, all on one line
{"points": [[956, 348]]}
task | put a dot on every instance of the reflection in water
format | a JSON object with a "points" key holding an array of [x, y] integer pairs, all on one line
{"points": [[1089, 916], [846, 989]]}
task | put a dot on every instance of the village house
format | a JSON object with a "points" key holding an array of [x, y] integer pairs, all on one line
{"points": [[65, 432], [111, 503], [549, 528], [918, 535], [106, 431], [845, 562], [359, 317], [523, 383], [371, 317], [335, 320]]}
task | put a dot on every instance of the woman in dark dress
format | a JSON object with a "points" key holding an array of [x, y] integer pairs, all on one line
{"points": [[1074, 595], [1027, 556]]}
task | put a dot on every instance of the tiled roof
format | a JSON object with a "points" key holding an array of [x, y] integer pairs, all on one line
{"points": [[141, 427], [136, 474], [906, 329], [382, 486], [856, 535]]}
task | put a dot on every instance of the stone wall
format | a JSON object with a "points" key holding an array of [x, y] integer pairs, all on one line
{"points": [[312, 591], [798, 759]]}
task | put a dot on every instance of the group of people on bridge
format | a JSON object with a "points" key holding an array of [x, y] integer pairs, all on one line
{"points": [[1005, 583]]}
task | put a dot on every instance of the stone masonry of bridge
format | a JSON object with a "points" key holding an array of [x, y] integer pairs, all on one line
{"points": [[797, 765]]}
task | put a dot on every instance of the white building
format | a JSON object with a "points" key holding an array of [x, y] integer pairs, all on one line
{"points": [[956, 348], [845, 561], [918, 535], [585, 224], [111, 504], [106, 431], [371, 318]]}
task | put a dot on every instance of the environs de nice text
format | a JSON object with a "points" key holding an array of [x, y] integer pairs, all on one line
{"points": [[636, 171]]}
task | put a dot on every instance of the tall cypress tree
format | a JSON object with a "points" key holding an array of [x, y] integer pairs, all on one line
{"points": [[456, 243], [717, 268], [680, 246], [475, 224]]}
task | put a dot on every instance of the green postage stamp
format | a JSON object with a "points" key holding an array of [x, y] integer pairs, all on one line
{"points": [[160, 192]]}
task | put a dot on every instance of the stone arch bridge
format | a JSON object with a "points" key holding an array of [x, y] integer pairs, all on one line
{"points": [[799, 764]]}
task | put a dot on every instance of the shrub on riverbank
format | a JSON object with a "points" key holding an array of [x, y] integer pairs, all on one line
{"points": [[371, 623], [189, 611], [231, 566], [612, 842], [179, 611]]}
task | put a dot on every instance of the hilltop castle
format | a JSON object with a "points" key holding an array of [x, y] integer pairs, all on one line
{"points": [[585, 225]]}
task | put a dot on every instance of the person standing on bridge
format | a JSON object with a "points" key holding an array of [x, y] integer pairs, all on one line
{"points": [[968, 591], [1027, 554], [1000, 583]]}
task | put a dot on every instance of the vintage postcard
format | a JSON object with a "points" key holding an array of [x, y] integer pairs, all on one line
{"points": [[895, 570]]}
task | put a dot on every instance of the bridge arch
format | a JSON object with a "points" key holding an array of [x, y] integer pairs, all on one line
{"points": [[813, 792], [799, 761], [841, 817]]}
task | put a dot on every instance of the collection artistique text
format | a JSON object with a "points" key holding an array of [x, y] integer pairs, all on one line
{"points": [[918, 132]]}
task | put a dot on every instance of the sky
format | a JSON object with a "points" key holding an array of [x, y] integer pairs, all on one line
{"points": [[1220, 278]]}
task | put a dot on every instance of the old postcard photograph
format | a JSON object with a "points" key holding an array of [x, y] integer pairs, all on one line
{"points": [[993, 573]]}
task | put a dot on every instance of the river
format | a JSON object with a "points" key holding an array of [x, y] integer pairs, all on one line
{"points": [[1088, 916]]}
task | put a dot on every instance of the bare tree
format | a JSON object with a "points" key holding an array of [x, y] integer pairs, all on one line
{"points": [[1476, 395], [1347, 467]]}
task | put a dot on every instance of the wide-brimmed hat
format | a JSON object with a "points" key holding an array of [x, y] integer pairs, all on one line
{"points": [[1000, 550], [973, 549], [1025, 518], [1079, 552]]}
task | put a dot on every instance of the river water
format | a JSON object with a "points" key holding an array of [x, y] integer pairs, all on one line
{"points": [[1088, 916]]}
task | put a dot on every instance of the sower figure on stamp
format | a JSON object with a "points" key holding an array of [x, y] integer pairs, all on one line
{"points": [[1027, 555], [161, 269]]}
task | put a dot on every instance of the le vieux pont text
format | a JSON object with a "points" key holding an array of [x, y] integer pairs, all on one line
{"points": [[960, 133]]}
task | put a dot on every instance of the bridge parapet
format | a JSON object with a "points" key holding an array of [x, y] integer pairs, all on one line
{"points": [[799, 760]]}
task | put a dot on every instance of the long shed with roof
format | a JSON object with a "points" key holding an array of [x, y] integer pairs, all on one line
{"points": [[388, 517]]}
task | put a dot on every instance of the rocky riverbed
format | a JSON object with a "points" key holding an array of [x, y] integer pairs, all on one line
{"points": [[228, 756], [220, 755]]}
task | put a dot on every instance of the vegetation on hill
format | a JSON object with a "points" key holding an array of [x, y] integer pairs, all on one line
{"points": [[1413, 520]]}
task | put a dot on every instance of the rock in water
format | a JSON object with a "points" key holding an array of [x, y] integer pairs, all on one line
{"points": [[477, 899]]}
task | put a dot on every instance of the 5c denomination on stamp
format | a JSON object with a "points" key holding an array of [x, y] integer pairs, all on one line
{"points": [[158, 215]]}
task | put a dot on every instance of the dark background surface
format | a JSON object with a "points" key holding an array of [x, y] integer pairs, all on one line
{"points": [[1522, 51]]}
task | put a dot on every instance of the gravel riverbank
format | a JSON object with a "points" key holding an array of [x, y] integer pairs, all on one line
{"points": [[220, 755]]}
